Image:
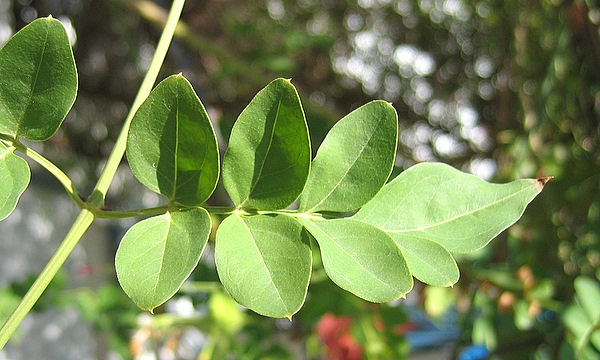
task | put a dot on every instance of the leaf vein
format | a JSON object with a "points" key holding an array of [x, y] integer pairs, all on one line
{"points": [[264, 160], [355, 260], [457, 216], [371, 135], [37, 73], [263, 261]]}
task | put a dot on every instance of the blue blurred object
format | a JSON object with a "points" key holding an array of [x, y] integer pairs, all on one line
{"points": [[429, 334], [547, 316], [474, 352]]}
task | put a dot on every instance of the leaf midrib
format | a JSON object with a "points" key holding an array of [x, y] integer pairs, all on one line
{"points": [[335, 187], [354, 258], [263, 261], [421, 256], [5, 153], [264, 160], [455, 217], [162, 257], [37, 73], [176, 152], [158, 274]]}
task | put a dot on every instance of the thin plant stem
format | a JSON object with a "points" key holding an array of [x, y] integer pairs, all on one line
{"points": [[51, 167], [119, 214], [115, 157], [220, 210], [81, 224], [158, 210], [86, 216], [213, 210]]}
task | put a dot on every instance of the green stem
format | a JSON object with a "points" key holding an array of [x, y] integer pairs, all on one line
{"points": [[372, 342], [115, 157], [220, 210], [215, 210], [86, 217], [295, 213], [158, 210], [79, 227], [209, 348], [119, 214], [48, 165], [586, 339]]}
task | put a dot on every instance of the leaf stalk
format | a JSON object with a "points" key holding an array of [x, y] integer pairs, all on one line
{"points": [[81, 224], [66, 182], [96, 200]]}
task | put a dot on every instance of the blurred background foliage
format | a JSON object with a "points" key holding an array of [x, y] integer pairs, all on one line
{"points": [[502, 89]]}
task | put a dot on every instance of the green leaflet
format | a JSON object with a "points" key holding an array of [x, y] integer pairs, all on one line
{"points": [[354, 161], [583, 316], [436, 202], [14, 179], [171, 147], [264, 262], [361, 258], [157, 254], [268, 158], [38, 80], [588, 292], [576, 320], [427, 260]]}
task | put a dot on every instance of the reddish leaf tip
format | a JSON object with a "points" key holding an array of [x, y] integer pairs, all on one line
{"points": [[540, 182]]}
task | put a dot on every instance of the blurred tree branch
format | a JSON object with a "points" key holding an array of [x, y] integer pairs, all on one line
{"points": [[252, 72]]}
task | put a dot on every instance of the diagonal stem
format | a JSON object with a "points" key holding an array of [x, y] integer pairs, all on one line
{"points": [[48, 165], [115, 157], [83, 221], [86, 217]]}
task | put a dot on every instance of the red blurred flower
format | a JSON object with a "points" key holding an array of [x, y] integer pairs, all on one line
{"points": [[335, 333]]}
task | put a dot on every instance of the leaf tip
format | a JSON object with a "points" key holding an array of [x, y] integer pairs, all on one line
{"points": [[287, 81], [289, 318], [540, 182]]}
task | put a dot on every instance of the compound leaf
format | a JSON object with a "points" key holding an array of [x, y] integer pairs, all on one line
{"points": [[268, 158], [171, 146], [459, 211], [264, 262], [14, 179], [354, 161], [38, 80], [157, 254], [361, 258]]}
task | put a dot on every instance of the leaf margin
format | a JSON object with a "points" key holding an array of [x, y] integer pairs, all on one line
{"points": [[140, 300]]}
